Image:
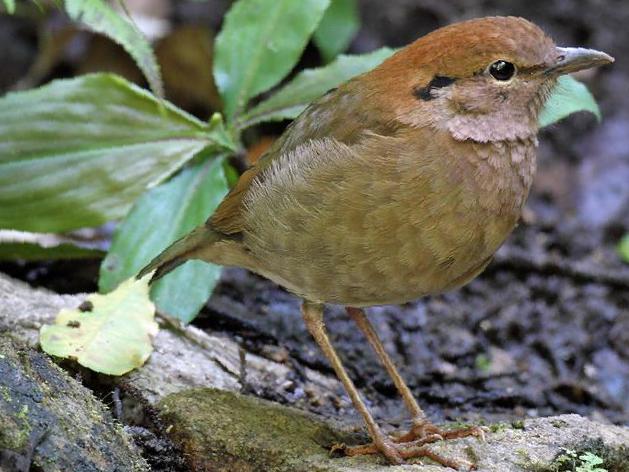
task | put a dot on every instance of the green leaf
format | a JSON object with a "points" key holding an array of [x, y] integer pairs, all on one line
{"points": [[259, 44], [39, 246], [101, 18], [112, 336], [310, 84], [160, 217], [589, 461], [79, 152], [337, 28], [10, 6], [623, 248], [569, 96]]}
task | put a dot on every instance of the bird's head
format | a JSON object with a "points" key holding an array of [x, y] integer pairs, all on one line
{"points": [[484, 80]]}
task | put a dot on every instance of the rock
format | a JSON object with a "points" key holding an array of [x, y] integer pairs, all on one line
{"points": [[537, 444], [225, 431], [50, 422]]}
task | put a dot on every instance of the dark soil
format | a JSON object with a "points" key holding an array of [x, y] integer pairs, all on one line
{"points": [[544, 330]]}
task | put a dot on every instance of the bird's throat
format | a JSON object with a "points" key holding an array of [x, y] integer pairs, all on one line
{"points": [[492, 127]]}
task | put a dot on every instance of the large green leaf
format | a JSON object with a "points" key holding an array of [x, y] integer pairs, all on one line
{"points": [[10, 6], [309, 84], [259, 44], [161, 216], [112, 334], [337, 28], [101, 18], [79, 152], [569, 96]]}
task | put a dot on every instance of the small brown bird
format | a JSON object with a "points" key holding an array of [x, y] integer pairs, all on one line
{"points": [[401, 182]]}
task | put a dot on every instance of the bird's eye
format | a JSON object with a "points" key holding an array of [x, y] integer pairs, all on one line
{"points": [[502, 70]]}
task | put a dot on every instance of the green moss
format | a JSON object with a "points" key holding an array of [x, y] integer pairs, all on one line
{"points": [[14, 418], [5, 393], [471, 454], [517, 424], [458, 425], [498, 427], [15, 430], [237, 432], [12, 436], [482, 363], [557, 423], [25, 426]]}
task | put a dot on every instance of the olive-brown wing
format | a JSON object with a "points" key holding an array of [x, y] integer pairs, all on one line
{"points": [[344, 114]]}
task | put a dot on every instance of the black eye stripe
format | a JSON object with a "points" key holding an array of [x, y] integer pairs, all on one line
{"points": [[438, 81]]}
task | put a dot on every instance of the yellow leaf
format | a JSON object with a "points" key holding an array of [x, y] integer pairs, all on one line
{"points": [[111, 334]]}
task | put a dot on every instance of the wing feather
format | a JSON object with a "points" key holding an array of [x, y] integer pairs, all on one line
{"points": [[344, 114]]}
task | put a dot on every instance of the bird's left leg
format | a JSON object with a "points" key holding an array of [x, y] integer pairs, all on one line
{"points": [[422, 427]]}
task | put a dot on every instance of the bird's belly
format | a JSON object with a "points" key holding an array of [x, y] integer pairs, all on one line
{"points": [[382, 257]]}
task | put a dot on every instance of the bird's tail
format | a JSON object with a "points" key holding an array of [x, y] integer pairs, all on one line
{"points": [[188, 247]]}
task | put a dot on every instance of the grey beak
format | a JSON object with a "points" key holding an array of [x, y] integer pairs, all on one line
{"points": [[574, 59]]}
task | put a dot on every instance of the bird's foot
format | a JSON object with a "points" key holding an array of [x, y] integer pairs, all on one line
{"points": [[413, 444], [398, 452]]}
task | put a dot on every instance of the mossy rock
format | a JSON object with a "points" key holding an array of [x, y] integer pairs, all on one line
{"points": [[50, 422], [226, 431]]}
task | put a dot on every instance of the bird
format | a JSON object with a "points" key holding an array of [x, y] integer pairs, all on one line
{"points": [[399, 183]]}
